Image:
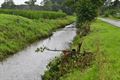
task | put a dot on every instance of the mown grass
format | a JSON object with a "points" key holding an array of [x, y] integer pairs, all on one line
{"points": [[104, 41], [34, 14], [17, 32]]}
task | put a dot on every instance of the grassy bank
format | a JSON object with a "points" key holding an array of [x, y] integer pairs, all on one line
{"points": [[17, 32], [103, 41]]}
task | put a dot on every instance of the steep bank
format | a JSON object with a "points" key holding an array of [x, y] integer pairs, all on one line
{"points": [[17, 32]]}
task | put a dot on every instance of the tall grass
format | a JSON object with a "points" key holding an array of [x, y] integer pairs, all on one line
{"points": [[17, 32], [34, 14]]}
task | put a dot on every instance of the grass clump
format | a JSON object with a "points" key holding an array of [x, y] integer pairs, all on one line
{"points": [[34, 14], [17, 32]]}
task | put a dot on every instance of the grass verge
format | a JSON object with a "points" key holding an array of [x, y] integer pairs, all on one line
{"points": [[17, 32]]}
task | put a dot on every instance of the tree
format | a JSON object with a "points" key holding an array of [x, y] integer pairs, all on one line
{"points": [[87, 11], [107, 3], [68, 6], [116, 3], [48, 4], [57, 5], [8, 4], [30, 2]]}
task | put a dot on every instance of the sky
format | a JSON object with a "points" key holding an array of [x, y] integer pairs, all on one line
{"points": [[20, 1]]}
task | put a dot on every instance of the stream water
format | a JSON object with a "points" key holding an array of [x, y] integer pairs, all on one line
{"points": [[29, 65]]}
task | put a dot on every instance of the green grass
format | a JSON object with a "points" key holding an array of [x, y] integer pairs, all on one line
{"points": [[34, 14], [17, 32], [104, 41]]}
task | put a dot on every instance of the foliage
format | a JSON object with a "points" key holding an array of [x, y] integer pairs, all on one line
{"points": [[87, 11], [30, 2], [115, 13], [111, 9], [48, 4], [8, 5], [17, 32], [66, 64], [34, 14], [116, 4], [57, 5]]}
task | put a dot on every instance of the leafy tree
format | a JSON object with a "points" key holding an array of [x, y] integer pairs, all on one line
{"points": [[30, 2], [87, 11], [116, 3], [57, 5], [8, 4], [68, 6], [107, 3], [48, 4]]}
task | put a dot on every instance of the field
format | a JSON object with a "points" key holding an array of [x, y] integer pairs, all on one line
{"points": [[34, 14], [104, 41], [17, 32]]}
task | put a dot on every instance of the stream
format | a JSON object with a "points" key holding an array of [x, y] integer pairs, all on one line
{"points": [[29, 65]]}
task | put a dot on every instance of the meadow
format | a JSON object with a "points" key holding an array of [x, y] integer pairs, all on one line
{"points": [[17, 32]]}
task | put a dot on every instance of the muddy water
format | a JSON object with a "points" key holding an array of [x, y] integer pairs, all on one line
{"points": [[28, 65]]}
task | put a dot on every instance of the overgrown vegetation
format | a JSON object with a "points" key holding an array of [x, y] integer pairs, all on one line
{"points": [[66, 64], [34, 14], [17, 32]]}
